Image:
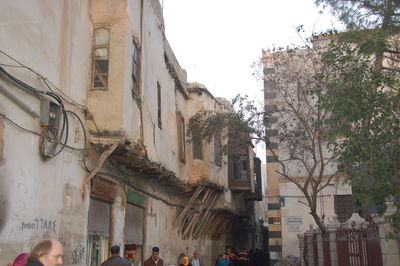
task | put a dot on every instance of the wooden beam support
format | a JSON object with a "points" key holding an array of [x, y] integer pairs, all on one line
{"points": [[188, 206]]}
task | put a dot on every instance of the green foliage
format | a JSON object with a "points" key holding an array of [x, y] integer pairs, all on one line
{"points": [[364, 14], [364, 103], [242, 124]]}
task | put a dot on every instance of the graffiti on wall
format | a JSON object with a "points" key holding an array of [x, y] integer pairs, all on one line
{"points": [[77, 254], [39, 224]]}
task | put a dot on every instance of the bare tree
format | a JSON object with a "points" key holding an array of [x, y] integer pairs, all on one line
{"points": [[301, 143]]}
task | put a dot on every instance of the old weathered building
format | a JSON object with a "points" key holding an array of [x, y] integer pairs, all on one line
{"points": [[93, 145]]}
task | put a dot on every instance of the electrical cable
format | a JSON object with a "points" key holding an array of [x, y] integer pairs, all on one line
{"points": [[10, 65], [69, 99], [44, 134], [18, 126], [49, 135]]}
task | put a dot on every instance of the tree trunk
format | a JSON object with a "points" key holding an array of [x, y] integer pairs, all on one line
{"points": [[317, 219]]}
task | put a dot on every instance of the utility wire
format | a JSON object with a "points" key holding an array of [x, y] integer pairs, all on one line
{"points": [[65, 96], [17, 125]]}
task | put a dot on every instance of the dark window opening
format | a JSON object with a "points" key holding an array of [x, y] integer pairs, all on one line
{"points": [[343, 207], [159, 105], [198, 148], [135, 73], [181, 136]]}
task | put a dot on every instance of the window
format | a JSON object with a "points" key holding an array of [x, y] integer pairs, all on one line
{"points": [[197, 148], [101, 51], [217, 149], [180, 120], [343, 207], [240, 169], [159, 105], [135, 73]]}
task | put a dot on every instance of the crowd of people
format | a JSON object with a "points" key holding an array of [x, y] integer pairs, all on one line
{"points": [[49, 252], [232, 257]]}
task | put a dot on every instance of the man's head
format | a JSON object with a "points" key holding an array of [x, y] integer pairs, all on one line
{"points": [[114, 250], [196, 254], [154, 253], [48, 251]]}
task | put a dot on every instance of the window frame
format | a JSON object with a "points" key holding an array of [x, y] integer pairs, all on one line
{"points": [[181, 134], [95, 60]]}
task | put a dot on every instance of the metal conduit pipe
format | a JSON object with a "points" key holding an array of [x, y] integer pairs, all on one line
{"points": [[19, 103]]}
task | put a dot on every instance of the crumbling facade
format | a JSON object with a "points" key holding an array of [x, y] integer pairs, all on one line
{"points": [[93, 146]]}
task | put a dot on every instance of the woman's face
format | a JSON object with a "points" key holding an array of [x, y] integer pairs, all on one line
{"points": [[185, 261]]}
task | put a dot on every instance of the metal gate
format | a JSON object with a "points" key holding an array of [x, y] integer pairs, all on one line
{"points": [[359, 246]]}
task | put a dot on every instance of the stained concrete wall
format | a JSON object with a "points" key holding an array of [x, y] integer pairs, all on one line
{"points": [[41, 198], [294, 206]]}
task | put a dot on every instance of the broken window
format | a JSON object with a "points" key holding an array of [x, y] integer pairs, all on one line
{"points": [[180, 120], [217, 149], [101, 51], [159, 105], [135, 73]]}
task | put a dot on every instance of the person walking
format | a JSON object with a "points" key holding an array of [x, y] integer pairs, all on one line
{"points": [[195, 260], [223, 261], [154, 259], [115, 259], [47, 252]]}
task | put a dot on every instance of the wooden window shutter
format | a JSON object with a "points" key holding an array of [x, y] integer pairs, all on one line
{"points": [[180, 121]]}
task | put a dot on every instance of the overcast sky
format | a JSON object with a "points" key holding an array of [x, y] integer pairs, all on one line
{"points": [[216, 41]]}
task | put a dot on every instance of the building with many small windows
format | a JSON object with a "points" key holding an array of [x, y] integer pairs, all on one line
{"points": [[94, 109]]}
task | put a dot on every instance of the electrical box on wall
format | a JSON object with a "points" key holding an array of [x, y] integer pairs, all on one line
{"points": [[50, 113]]}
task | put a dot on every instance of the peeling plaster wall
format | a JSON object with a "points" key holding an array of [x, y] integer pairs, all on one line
{"points": [[106, 104], [41, 198], [206, 168]]}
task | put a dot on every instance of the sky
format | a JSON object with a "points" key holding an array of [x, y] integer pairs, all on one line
{"points": [[216, 41]]}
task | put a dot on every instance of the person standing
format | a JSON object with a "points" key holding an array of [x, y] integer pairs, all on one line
{"points": [[47, 252], [154, 259], [116, 259], [185, 262], [195, 260], [223, 261]]}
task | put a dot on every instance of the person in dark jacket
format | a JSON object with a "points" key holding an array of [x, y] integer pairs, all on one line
{"points": [[47, 252], [154, 259], [116, 259]]}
